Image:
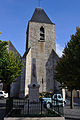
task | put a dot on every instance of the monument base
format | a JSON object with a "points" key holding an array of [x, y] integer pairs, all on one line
{"points": [[35, 118]]}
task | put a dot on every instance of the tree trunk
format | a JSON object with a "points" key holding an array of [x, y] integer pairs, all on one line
{"points": [[8, 90], [71, 100]]}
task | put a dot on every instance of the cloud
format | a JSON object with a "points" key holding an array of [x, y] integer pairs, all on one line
{"points": [[59, 49]]}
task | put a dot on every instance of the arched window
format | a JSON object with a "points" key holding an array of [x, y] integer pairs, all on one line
{"points": [[42, 34]]}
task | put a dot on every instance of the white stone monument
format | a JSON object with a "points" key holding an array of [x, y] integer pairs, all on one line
{"points": [[63, 93], [33, 86]]}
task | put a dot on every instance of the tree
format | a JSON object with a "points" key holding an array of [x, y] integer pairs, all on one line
{"points": [[10, 65], [3, 56], [68, 66]]}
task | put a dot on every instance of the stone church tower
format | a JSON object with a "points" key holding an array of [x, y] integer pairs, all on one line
{"points": [[41, 46]]}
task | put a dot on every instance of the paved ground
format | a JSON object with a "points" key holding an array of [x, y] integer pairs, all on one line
{"points": [[72, 114]]}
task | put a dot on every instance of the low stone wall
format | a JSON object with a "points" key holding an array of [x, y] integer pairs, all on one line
{"points": [[37, 118], [76, 93]]}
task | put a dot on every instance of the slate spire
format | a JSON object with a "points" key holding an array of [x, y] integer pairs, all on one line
{"points": [[40, 16]]}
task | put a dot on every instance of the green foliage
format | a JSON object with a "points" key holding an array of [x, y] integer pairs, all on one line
{"points": [[3, 57], [46, 94], [10, 65], [68, 67]]}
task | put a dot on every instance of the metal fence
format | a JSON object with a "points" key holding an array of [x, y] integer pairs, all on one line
{"points": [[25, 108]]}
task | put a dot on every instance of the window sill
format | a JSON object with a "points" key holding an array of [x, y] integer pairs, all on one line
{"points": [[41, 40]]}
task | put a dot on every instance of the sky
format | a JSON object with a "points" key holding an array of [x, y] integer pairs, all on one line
{"points": [[15, 14]]}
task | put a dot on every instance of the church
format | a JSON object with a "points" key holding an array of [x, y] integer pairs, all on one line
{"points": [[41, 46]]}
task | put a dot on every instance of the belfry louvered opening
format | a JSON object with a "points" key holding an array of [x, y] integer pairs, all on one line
{"points": [[42, 34]]}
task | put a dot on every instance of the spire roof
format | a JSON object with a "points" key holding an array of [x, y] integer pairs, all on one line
{"points": [[40, 16]]}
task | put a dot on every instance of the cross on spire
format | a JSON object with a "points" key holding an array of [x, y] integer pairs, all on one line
{"points": [[39, 2]]}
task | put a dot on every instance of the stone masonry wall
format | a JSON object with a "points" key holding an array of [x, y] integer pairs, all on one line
{"points": [[28, 71], [22, 80], [42, 52]]}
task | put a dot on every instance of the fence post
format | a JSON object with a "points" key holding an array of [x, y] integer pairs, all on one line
{"points": [[58, 108], [28, 106], [41, 107], [11, 103]]}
